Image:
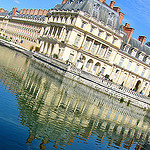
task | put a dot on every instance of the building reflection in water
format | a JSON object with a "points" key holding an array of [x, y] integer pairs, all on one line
{"points": [[58, 110]]}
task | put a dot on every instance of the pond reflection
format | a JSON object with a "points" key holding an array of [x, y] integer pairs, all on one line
{"points": [[60, 113]]}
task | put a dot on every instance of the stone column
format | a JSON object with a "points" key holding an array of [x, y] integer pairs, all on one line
{"points": [[52, 31], [133, 84], [99, 49], [119, 76], [49, 49], [56, 49], [91, 46], [61, 33], [77, 57], [45, 49], [48, 31], [106, 52], [85, 63], [92, 66], [56, 32], [42, 47], [84, 40]]}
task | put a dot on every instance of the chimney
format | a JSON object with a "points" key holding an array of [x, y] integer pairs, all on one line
{"points": [[112, 3], [117, 9], [45, 12], [128, 31], [21, 11], [142, 39], [24, 11], [121, 16], [127, 25], [1, 10], [64, 1], [101, 1], [31, 12], [14, 10]]}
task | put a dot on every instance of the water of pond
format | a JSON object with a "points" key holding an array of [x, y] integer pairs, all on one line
{"points": [[40, 109]]}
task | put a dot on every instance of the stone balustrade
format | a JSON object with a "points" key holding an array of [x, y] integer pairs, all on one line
{"points": [[111, 88]]}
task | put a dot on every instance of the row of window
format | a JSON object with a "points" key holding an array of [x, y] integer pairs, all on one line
{"points": [[62, 19], [94, 47], [129, 67], [137, 54], [99, 33]]}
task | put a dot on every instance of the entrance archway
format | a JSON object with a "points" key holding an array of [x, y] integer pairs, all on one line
{"points": [[137, 86]]}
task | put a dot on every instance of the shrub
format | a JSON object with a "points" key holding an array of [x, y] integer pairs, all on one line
{"points": [[31, 48], [128, 103], [67, 61], [106, 76], [144, 108], [121, 100], [37, 49], [55, 56], [122, 83]]}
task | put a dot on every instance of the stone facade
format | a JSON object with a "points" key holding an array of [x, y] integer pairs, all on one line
{"points": [[88, 35]]}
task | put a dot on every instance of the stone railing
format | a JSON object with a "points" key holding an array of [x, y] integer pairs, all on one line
{"points": [[54, 63], [110, 88]]}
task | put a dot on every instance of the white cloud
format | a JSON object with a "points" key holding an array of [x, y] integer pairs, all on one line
{"points": [[17, 2]]}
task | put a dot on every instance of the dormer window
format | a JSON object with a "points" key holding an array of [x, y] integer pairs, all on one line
{"points": [[80, 1], [126, 48], [141, 56], [96, 10], [133, 53], [110, 19], [148, 61], [71, 1]]}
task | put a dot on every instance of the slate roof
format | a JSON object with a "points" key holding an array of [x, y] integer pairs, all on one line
{"points": [[3, 13], [94, 8], [136, 44]]}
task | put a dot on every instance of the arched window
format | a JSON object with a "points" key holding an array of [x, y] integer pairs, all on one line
{"points": [[116, 74], [96, 67], [89, 64]]}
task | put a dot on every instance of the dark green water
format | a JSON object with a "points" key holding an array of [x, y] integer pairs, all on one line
{"points": [[40, 109]]}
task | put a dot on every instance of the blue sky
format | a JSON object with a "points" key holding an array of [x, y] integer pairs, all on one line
{"points": [[137, 12]]}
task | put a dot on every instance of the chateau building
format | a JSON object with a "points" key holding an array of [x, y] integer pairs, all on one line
{"points": [[86, 33]]}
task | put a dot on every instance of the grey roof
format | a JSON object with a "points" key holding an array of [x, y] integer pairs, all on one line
{"points": [[148, 44], [136, 43], [38, 17], [3, 13], [94, 8]]}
